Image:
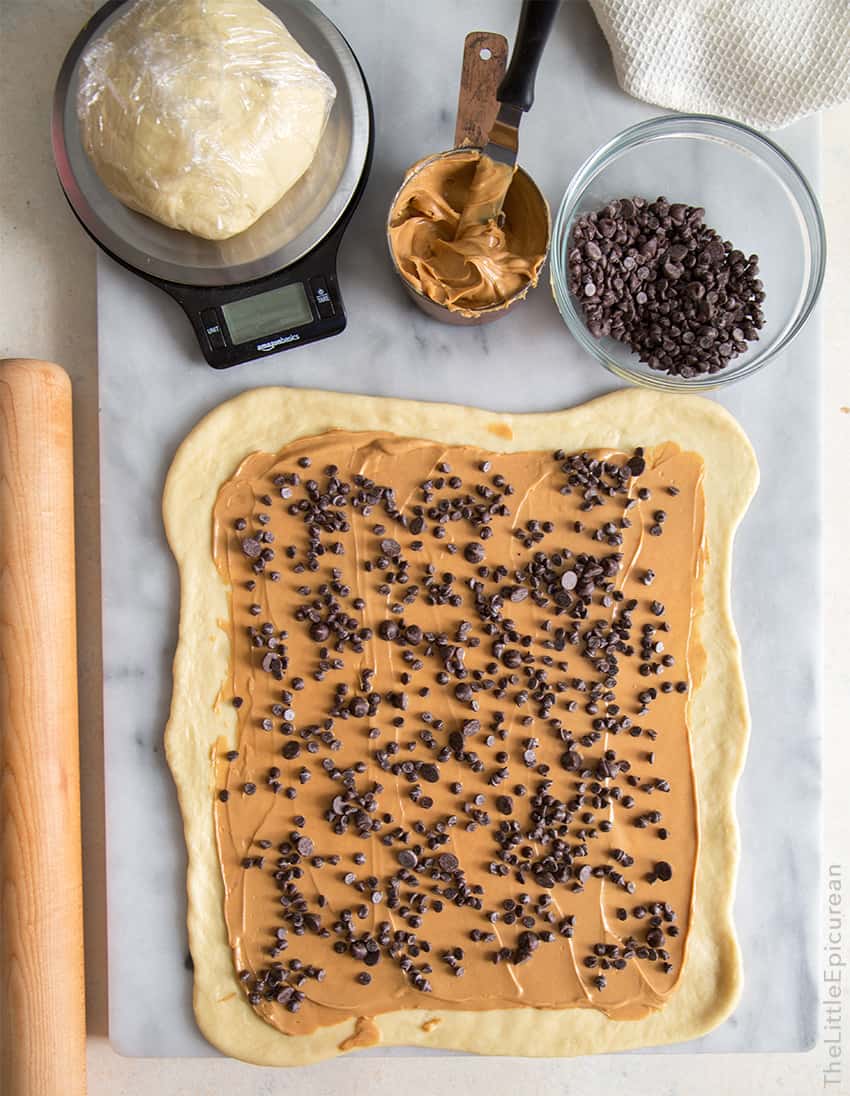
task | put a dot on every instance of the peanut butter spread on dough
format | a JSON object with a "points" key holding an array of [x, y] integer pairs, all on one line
{"points": [[461, 776], [489, 262]]}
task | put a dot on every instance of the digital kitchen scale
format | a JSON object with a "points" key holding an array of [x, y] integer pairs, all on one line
{"points": [[274, 286]]}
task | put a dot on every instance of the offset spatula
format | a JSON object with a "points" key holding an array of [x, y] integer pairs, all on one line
{"points": [[516, 96]]}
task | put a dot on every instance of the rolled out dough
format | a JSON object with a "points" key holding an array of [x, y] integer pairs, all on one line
{"points": [[201, 113], [265, 420]]}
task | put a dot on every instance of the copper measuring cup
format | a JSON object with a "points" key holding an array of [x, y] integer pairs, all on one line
{"points": [[484, 61]]}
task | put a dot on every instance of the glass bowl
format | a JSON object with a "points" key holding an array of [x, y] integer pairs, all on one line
{"points": [[753, 195]]}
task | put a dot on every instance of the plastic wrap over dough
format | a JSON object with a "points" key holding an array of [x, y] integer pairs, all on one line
{"points": [[201, 113]]}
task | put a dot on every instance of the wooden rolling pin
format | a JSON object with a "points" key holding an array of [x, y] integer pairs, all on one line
{"points": [[42, 1008]]}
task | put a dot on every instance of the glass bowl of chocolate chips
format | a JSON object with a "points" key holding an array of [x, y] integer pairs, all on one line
{"points": [[687, 252]]}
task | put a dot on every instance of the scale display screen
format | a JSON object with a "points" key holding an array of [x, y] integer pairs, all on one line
{"points": [[267, 313]]}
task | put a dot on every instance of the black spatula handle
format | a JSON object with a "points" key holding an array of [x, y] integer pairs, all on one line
{"points": [[535, 22]]}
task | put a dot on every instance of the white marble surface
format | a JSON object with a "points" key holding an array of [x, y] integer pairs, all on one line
{"points": [[154, 386], [47, 310]]}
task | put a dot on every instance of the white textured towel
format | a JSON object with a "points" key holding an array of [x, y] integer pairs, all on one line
{"points": [[763, 62]]}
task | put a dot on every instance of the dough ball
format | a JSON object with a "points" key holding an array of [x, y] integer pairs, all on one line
{"points": [[201, 113]]}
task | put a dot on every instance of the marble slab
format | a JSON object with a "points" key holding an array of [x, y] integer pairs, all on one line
{"points": [[154, 386]]}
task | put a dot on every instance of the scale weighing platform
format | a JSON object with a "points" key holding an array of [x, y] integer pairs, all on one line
{"points": [[274, 286]]}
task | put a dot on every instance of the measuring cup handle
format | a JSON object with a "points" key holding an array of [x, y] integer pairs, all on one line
{"points": [[535, 23]]}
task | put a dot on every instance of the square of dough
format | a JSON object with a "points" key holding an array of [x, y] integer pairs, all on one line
{"points": [[265, 420]]}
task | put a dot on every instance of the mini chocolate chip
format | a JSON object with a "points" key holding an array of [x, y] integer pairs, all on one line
{"points": [[473, 552], [663, 871], [304, 846]]}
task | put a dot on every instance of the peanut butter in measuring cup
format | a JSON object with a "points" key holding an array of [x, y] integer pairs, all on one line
{"points": [[476, 278]]}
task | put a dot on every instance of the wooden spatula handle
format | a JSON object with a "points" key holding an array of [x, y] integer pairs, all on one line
{"points": [[42, 1010], [484, 58]]}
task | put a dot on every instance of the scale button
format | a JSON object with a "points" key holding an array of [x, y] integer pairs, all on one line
{"points": [[324, 303], [212, 326]]}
